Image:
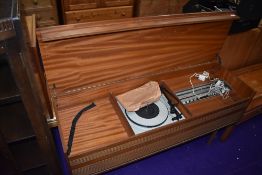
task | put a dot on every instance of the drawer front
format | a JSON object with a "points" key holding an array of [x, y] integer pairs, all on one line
{"points": [[112, 3], [83, 4], [99, 14], [43, 17], [33, 4], [91, 4]]}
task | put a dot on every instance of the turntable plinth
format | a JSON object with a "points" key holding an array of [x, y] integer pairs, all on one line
{"points": [[93, 62]]}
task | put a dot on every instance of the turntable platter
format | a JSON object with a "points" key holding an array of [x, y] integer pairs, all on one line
{"points": [[150, 116]]}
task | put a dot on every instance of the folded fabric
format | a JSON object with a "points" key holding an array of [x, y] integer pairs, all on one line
{"points": [[140, 97]]}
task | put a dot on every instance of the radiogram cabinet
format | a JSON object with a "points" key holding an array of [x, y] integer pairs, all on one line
{"points": [[94, 62]]}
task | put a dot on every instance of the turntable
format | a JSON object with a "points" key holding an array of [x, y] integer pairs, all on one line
{"points": [[152, 116]]}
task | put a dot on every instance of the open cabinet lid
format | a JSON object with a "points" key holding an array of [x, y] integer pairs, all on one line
{"points": [[82, 56]]}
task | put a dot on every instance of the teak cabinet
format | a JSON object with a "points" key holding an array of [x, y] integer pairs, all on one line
{"points": [[75, 11], [94, 62]]}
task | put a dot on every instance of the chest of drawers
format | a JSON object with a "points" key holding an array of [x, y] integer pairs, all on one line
{"points": [[75, 11], [45, 11]]}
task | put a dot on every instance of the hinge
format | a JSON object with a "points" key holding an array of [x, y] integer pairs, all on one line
{"points": [[52, 122]]}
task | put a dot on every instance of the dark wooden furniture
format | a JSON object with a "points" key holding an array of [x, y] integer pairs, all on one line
{"points": [[25, 140], [75, 11], [158, 7], [45, 11], [38, 70], [94, 62]]}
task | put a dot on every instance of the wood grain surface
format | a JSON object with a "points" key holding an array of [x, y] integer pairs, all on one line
{"points": [[96, 128], [242, 49], [111, 26], [118, 87], [70, 5], [89, 62], [254, 80], [86, 61], [102, 126], [148, 145], [98, 14], [251, 76], [256, 54]]}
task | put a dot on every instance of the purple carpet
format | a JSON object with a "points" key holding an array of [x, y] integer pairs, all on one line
{"points": [[240, 155]]}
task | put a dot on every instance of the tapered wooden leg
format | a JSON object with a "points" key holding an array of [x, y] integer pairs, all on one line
{"points": [[227, 132], [212, 137]]}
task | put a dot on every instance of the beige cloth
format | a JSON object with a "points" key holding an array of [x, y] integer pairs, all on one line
{"points": [[137, 98]]}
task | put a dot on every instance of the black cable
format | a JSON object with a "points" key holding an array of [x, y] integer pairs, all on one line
{"points": [[72, 130]]}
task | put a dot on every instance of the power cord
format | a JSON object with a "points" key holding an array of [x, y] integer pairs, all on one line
{"points": [[73, 126], [217, 86]]}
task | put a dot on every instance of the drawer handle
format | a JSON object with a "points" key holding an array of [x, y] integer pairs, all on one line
{"points": [[35, 2]]}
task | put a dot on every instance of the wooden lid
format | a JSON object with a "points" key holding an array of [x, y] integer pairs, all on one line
{"points": [[81, 56]]}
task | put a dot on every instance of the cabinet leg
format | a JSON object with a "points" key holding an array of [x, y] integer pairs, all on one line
{"points": [[212, 137], [227, 132]]}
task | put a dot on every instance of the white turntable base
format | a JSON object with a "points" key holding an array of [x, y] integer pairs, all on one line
{"points": [[161, 119]]}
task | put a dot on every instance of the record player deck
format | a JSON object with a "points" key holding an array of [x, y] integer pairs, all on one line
{"points": [[155, 115]]}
